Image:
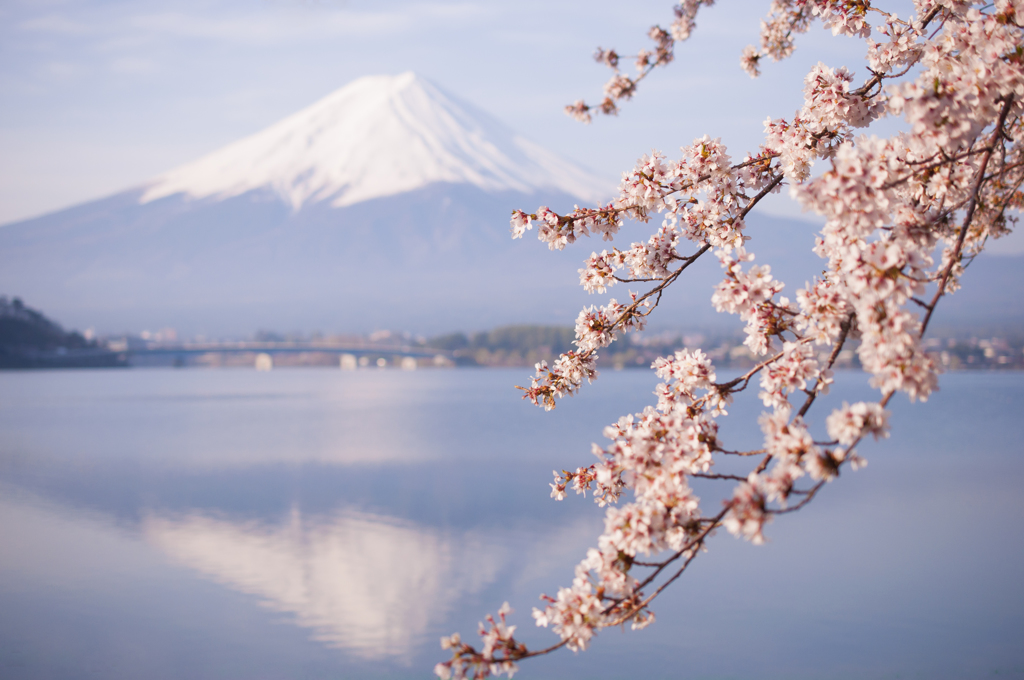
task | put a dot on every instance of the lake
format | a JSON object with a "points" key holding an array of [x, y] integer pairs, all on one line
{"points": [[314, 523]]}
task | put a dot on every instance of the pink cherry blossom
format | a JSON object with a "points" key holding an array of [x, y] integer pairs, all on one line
{"points": [[903, 215]]}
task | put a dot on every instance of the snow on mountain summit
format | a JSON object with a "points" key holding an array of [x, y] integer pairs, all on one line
{"points": [[375, 137]]}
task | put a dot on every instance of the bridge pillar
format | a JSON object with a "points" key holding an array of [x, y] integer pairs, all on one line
{"points": [[348, 362], [264, 362]]}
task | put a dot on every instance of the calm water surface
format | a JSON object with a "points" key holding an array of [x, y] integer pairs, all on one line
{"points": [[320, 524]]}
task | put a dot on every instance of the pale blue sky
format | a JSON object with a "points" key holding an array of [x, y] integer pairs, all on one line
{"points": [[101, 95]]}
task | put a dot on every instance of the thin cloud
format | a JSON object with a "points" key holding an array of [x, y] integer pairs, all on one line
{"points": [[274, 25], [133, 66], [55, 24]]}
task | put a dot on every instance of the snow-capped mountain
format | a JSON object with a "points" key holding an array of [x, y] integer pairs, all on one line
{"points": [[378, 136], [385, 204]]}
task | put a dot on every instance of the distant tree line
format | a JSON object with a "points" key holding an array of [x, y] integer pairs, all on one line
{"points": [[30, 340], [22, 327], [525, 345], [555, 339]]}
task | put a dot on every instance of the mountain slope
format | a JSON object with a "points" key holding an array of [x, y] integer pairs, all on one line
{"points": [[427, 260], [434, 260]]}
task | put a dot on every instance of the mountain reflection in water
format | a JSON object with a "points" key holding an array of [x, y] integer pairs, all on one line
{"points": [[321, 524], [370, 584]]}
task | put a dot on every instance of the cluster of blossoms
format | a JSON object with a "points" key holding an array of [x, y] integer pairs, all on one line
{"points": [[704, 199], [788, 18], [499, 648], [703, 196], [622, 87], [903, 215], [822, 125]]}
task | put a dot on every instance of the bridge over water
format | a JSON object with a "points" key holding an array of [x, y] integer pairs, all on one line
{"points": [[351, 356]]}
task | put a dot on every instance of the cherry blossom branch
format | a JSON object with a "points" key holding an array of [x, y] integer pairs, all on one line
{"points": [[836, 349], [886, 203], [972, 204], [808, 494], [877, 78], [727, 387], [755, 452], [622, 87], [521, 220], [691, 554]]}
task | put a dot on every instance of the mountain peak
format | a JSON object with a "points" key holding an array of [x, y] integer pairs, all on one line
{"points": [[375, 137]]}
